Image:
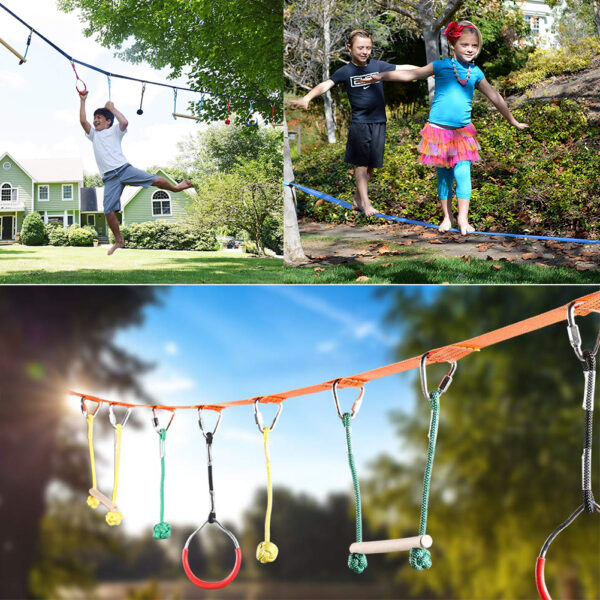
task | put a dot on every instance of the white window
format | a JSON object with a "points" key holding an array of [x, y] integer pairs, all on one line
{"points": [[91, 220], [67, 190], [44, 193], [161, 204], [8, 193]]}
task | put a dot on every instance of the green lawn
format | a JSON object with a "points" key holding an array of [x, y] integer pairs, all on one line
{"points": [[68, 265]]}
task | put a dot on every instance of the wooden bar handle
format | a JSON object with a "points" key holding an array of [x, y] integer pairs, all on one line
{"points": [[380, 546], [185, 116], [106, 501], [22, 58]]}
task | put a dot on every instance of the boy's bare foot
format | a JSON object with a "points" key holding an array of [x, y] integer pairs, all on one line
{"points": [[465, 227], [116, 246], [184, 185], [370, 211], [445, 225]]}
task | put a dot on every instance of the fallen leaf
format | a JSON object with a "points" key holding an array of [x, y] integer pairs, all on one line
{"points": [[509, 244], [383, 249], [539, 264], [496, 267], [320, 257], [387, 264], [484, 247], [436, 242], [531, 255], [317, 274], [429, 260], [319, 202], [358, 272], [406, 243], [508, 258], [363, 278], [316, 269]]}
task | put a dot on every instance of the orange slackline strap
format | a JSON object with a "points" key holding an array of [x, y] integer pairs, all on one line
{"points": [[451, 353]]}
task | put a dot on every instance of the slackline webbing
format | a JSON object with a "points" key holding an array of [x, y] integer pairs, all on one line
{"points": [[109, 74], [526, 236], [451, 353]]}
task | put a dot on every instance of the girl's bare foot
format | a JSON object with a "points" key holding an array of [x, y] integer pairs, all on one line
{"points": [[465, 227], [369, 211], [445, 225], [116, 246], [184, 185]]}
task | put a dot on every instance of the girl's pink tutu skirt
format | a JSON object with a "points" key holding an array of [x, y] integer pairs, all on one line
{"points": [[445, 147]]}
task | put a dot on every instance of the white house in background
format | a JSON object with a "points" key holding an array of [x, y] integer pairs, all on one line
{"points": [[541, 21]]}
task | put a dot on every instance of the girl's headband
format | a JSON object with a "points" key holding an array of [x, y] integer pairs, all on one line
{"points": [[454, 30]]}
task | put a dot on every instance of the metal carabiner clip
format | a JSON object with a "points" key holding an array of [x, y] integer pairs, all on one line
{"points": [[85, 411], [258, 416], [444, 384], [201, 425], [575, 335], [113, 419], [156, 422], [355, 406]]}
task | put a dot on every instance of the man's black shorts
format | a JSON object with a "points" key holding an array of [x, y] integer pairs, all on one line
{"points": [[366, 142]]}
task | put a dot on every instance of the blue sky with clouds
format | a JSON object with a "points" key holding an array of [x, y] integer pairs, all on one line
{"points": [[222, 343], [41, 107]]}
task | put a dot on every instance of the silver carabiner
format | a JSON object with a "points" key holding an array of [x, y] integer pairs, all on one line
{"points": [[85, 411], [156, 422], [258, 416], [201, 423], [575, 335], [444, 384], [113, 419], [355, 406]]}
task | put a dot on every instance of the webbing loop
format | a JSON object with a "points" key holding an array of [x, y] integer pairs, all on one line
{"points": [[27, 47], [357, 403]]}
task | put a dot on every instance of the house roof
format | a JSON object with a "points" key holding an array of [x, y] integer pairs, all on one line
{"points": [[54, 170]]}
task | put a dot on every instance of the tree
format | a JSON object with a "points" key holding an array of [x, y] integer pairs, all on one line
{"points": [[578, 18], [507, 466], [225, 47], [315, 36], [50, 338]]}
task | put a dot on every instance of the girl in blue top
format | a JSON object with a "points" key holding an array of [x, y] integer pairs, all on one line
{"points": [[449, 140]]}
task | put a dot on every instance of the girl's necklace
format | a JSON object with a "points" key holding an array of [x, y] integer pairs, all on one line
{"points": [[462, 82]]}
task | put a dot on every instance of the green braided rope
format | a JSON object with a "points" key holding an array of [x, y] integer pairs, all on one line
{"points": [[356, 562], [420, 558], [162, 530]]}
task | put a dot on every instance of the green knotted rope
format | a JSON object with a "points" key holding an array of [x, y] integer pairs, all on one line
{"points": [[420, 558], [356, 562], [162, 530]]}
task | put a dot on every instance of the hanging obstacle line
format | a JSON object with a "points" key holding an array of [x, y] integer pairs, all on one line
{"points": [[589, 504], [347, 205], [162, 530], [267, 551], [92, 501], [212, 519], [446, 354], [107, 73], [357, 561]]}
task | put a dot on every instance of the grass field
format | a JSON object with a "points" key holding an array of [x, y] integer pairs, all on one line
{"points": [[68, 265]]}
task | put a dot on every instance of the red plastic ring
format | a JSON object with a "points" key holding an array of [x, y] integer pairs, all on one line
{"points": [[539, 579], [212, 585], [84, 90]]}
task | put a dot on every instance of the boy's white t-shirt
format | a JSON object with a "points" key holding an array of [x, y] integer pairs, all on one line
{"points": [[107, 147]]}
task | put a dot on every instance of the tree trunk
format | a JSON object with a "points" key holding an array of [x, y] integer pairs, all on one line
{"points": [[596, 6], [327, 99], [293, 254], [432, 52]]}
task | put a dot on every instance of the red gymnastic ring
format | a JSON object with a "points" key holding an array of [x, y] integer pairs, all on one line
{"points": [[84, 90], [539, 579]]}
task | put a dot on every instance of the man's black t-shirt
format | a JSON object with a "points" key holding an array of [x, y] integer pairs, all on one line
{"points": [[367, 101]]}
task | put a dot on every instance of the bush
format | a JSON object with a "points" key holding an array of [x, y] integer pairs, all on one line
{"points": [[92, 230], [125, 234], [543, 180], [33, 232], [57, 234], [160, 235], [80, 236], [249, 248]]}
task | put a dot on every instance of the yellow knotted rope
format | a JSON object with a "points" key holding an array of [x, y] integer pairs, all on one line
{"points": [[115, 517], [91, 501], [267, 551]]}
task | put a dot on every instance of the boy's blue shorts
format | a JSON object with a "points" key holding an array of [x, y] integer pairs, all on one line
{"points": [[117, 179]]}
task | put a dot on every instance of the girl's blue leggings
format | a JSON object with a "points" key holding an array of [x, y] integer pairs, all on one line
{"points": [[462, 173]]}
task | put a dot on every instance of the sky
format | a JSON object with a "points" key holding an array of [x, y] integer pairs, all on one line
{"points": [[41, 106], [221, 343]]}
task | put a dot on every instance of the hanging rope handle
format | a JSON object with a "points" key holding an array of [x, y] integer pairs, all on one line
{"points": [[419, 557], [92, 502], [200, 108], [140, 110], [227, 121], [250, 119], [357, 561], [589, 504], [212, 519], [174, 104], [78, 81], [162, 530], [267, 551], [24, 59], [109, 88], [273, 115]]}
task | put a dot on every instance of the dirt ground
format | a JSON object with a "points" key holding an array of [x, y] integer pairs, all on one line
{"points": [[334, 244]]}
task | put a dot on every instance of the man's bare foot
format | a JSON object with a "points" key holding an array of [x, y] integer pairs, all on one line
{"points": [[445, 225], [465, 227], [184, 185], [116, 246]]}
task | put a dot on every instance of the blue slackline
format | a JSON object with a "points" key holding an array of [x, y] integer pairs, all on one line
{"points": [[345, 204], [108, 74]]}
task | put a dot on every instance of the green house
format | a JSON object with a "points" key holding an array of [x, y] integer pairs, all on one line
{"points": [[54, 188]]}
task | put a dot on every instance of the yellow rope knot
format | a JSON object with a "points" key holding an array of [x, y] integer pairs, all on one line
{"points": [[114, 518], [266, 552], [93, 502]]}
